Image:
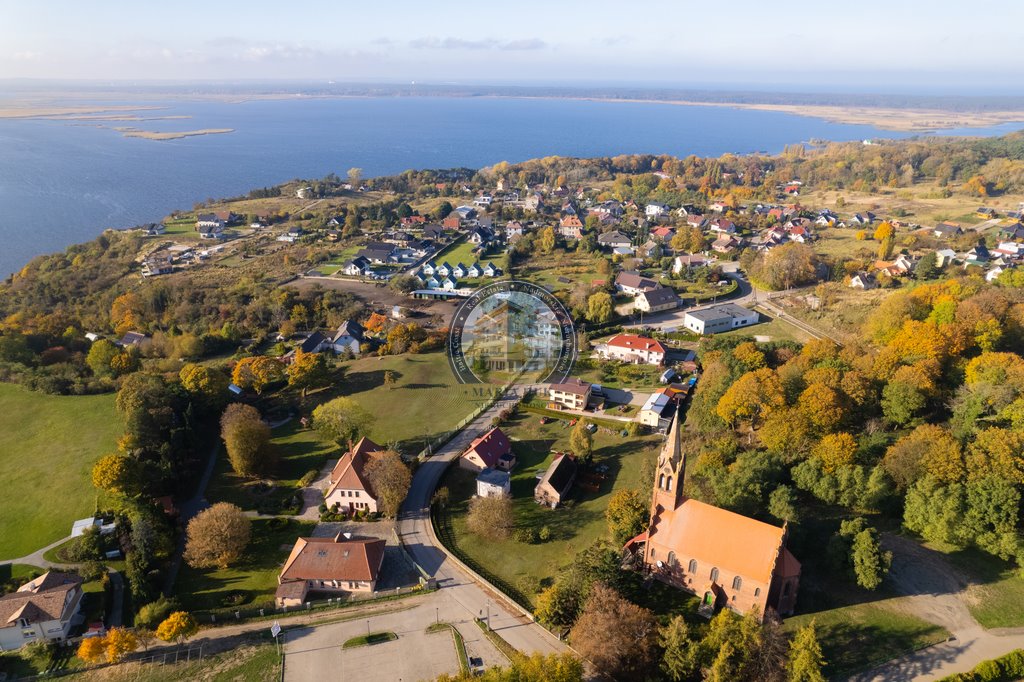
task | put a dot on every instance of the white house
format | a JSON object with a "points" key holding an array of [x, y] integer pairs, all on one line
{"points": [[449, 284], [474, 270], [41, 609], [492, 270], [459, 270], [633, 349], [493, 483], [719, 318], [650, 413], [443, 269], [657, 300], [655, 210], [348, 337], [429, 268]]}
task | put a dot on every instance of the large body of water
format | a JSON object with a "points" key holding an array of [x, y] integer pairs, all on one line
{"points": [[62, 182]]}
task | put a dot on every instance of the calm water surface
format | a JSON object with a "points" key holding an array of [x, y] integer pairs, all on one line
{"points": [[62, 182]]}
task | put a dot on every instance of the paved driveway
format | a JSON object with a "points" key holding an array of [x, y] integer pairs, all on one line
{"points": [[314, 653]]}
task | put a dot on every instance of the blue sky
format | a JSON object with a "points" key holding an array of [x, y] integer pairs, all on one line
{"points": [[868, 44]]}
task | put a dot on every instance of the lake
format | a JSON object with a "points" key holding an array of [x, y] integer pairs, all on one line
{"points": [[63, 182]]}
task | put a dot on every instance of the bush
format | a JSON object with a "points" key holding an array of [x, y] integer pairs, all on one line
{"points": [[545, 533], [153, 613], [92, 570], [308, 478], [525, 535]]}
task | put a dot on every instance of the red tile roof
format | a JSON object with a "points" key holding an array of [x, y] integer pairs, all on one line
{"points": [[636, 343], [334, 558], [490, 447], [348, 472]]}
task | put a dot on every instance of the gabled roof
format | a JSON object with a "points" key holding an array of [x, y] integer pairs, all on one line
{"points": [[490, 447], [661, 296], [635, 280], [560, 474], [334, 558], [720, 538], [348, 472], [312, 342], [39, 600], [349, 328], [634, 342], [572, 385]]}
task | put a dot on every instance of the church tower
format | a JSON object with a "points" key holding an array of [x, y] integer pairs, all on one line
{"points": [[668, 480]]}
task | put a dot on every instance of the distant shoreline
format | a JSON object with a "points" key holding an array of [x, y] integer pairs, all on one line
{"points": [[889, 118], [174, 135]]}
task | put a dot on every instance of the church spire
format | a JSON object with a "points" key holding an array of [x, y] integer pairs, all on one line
{"points": [[668, 481]]}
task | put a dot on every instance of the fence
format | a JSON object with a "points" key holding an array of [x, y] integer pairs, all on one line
{"points": [[269, 610]]}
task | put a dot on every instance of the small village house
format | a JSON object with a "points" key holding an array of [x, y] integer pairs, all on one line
{"points": [[556, 483], [42, 609], [486, 451], [634, 283], [573, 394], [348, 487], [329, 566], [633, 349], [658, 300]]}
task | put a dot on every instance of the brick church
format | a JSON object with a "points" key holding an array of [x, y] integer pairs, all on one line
{"points": [[727, 559]]}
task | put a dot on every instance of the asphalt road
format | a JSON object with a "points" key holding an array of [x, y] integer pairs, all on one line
{"points": [[456, 584]]}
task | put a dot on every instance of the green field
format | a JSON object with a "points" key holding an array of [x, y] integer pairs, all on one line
{"points": [[546, 269], [424, 402], [573, 527], [47, 448], [860, 636], [462, 252], [253, 579]]}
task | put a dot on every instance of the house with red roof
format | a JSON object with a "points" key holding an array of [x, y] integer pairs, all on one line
{"points": [[633, 349], [490, 451], [570, 227], [727, 559], [329, 566], [348, 486]]}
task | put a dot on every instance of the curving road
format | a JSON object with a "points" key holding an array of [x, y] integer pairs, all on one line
{"points": [[480, 599]]}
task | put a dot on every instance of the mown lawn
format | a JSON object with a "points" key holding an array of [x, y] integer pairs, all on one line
{"points": [[424, 401], [995, 592], [253, 579], [299, 450], [860, 636], [48, 445], [772, 327], [462, 252], [573, 527], [546, 269]]}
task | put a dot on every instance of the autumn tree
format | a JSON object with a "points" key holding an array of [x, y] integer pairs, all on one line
{"points": [[177, 627], [787, 434], [822, 407], [376, 323], [618, 637], [785, 266], [217, 536], [806, 659], [257, 372], [116, 474], [491, 517], [752, 397], [599, 307], [342, 421], [835, 450], [581, 441], [928, 449], [308, 370], [247, 440], [749, 355], [997, 452], [547, 239], [390, 478], [207, 384], [92, 650], [626, 515], [884, 231], [127, 313], [118, 643]]}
